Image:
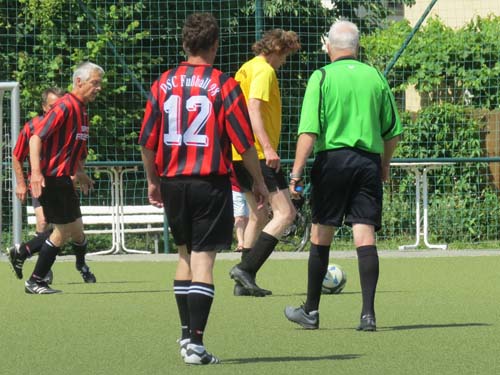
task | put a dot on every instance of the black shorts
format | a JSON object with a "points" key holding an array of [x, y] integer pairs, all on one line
{"points": [[199, 211], [346, 188], [60, 201], [274, 180]]}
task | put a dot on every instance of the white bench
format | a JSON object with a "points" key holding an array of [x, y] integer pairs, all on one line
{"points": [[117, 221], [140, 219]]}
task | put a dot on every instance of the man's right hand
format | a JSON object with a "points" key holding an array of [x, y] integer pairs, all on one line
{"points": [[37, 183], [21, 192], [261, 194], [273, 160]]}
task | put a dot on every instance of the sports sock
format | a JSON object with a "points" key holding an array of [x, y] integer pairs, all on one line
{"points": [[45, 260], [316, 271], [200, 297], [34, 245], [259, 253], [244, 253], [80, 249], [368, 266], [181, 288]]}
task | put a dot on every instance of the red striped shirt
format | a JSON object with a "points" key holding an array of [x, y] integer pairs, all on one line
{"points": [[64, 131], [22, 148], [193, 114]]}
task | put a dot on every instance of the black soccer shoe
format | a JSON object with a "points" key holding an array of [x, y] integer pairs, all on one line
{"points": [[298, 315], [40, 287], [367, 323], [87, 276], [16, 262], [247, 280], [240, 290], [49, 277]]}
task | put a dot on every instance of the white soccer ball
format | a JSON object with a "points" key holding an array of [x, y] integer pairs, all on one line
{"points": [[334, 281]]}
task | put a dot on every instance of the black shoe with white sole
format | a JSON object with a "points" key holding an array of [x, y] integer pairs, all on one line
{"points": [[39, 287]]}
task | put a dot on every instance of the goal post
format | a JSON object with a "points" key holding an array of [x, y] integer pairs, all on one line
{"points": [[13, 88]]}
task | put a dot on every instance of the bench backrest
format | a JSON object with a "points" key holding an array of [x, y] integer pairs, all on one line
{"points": [[92, 215]]}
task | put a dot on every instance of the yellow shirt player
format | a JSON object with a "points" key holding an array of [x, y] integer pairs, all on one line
{"points": [[259, 83], [258, 80]]}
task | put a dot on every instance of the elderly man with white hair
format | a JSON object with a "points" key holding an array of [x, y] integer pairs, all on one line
{"points": [[349, 118], [58, 148]]}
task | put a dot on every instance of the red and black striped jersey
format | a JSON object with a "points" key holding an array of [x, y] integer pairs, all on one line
{"points": [[193, 114], [64, 131], [22, 147]]}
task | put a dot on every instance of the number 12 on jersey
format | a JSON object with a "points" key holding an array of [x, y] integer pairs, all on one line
{"points": [[194, 134]]}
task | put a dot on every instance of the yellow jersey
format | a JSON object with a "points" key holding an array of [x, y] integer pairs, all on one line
{"points": [[258, 80]]}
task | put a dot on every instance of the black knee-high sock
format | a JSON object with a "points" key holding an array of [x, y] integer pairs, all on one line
{"points": [[368, 266], [34, 245], [256, 257], [45, 260], [244, 253], [200, 299], [80, 249], [316, 271], [181, 289]]}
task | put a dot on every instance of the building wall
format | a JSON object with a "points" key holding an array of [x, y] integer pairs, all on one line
{"points": [[454, 13]]}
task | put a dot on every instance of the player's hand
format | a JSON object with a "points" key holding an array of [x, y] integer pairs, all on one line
{"points": [[37, 183], [85, 182], [385, 172], [154, 195], [296, 188], [21, 192], [261, 194], [273, 161]]}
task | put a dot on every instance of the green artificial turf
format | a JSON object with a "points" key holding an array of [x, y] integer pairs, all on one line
{"points": [[434, 316]]}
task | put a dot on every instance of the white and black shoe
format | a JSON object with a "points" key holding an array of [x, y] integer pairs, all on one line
{"points": [[183, 343], [16, 261], [198, 355], [40, 287]]}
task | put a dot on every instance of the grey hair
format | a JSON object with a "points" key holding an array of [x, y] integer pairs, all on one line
{"points": [[84, 70], [344, 35]]}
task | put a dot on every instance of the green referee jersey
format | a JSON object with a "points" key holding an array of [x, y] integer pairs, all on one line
{"points": [[349, 104]]}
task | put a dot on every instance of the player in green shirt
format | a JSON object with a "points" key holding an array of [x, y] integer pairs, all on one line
{"points": [[350, 119]]}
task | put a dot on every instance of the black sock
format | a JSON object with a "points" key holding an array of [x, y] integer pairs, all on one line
{"points": [[200, 299], [244, 253], [80, 249], [34, 245], [368, 266], [181, 289], [45, 260], [316, 271], [259, 253]]}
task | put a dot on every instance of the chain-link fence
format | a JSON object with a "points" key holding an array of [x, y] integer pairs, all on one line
{"points": [[440, 57]]}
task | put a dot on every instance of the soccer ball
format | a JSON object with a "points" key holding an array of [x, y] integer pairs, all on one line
{"points": [[334, 281]]}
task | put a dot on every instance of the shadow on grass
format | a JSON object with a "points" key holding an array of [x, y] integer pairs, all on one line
{"points": [[120, 292], [431, 326], [109, 282], [327, 295], [338, 357]]}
